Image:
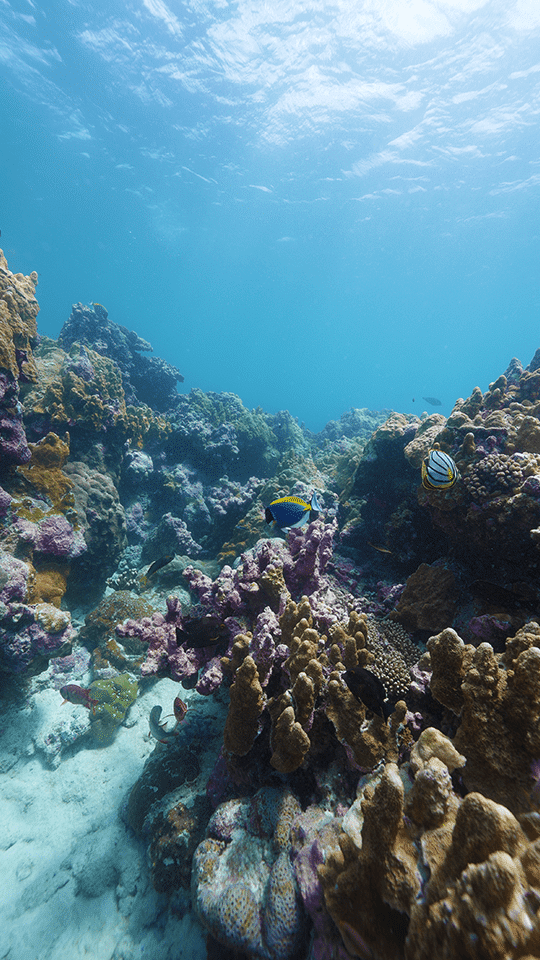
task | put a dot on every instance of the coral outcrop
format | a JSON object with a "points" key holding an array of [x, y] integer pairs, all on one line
{"points": [[30, 633], [18, 332], [147, 380], [243, 883], [338, 789], [498, 702]]}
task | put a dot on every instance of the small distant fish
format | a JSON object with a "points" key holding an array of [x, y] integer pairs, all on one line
{"points": [[289, 512], [380, 549], [73, 693], [201, 632], [158, 564], [439, 471], [368, 689], [433, 401], [100, 311], [158, 731]]}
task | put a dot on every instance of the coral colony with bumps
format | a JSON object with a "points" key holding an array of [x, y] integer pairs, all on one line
{"points": [[355, 770]]}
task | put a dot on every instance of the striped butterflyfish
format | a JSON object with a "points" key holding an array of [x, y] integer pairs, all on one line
{"points": [[439, 472], [288, 512]]}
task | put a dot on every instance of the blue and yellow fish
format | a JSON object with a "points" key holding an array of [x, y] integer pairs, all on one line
{"points": [[288, 512], [439, 471]]}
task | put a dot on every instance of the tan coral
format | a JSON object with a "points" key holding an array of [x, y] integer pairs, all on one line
{"points": [[478, 893], [370, 891], [240, 650], [18, 320], [429, 599], [304, 646], [424, 439], [449, 660], [293, 614], [49, 583], [369, 741], [274, 586], [499, 732], [44, 473], [289, 742], [463, 872], [304, 692], [245, 708]]}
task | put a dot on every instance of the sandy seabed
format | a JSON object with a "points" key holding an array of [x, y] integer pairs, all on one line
{"points": [[74, 880]]}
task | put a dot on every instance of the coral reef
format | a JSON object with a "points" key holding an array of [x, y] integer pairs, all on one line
{"points": [[218, 434], [338, 789], [18, 332], [102, 522], [29, 634], [379, 505], [498, 702], [428, 601], [147, 380]]}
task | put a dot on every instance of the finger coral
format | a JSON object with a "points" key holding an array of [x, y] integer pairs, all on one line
{"points": [[498, 701]]}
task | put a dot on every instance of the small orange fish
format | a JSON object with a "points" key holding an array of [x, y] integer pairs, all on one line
{"points": [[73, 693], [180, 710]]}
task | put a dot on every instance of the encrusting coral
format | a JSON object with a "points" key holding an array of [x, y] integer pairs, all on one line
{"points": [[18, 332]]}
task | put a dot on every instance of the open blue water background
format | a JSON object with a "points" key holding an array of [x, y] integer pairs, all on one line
{"points": [[315, 205]]}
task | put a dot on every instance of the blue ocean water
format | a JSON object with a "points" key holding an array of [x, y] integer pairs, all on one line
{"points": [[314, 206]]}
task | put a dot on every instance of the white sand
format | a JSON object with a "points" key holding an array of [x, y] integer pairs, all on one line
{"points": [[73, 879]]}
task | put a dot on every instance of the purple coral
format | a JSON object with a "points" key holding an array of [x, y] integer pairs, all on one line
{"points": [[57, 538], [81, 366], [5, 502], [13, 578], [13, 446], [30, 636]]}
